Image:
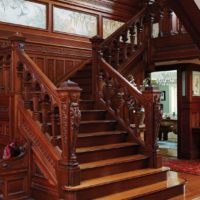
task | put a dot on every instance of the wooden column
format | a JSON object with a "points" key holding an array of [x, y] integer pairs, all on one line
{"points": [[70, 115], [96, 41], [152, 120], [17, 42]]}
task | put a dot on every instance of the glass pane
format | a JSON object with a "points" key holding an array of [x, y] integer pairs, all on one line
{"points": [[196, 83], [23, 13], [110, 26], [68, 21], [183, 84]]}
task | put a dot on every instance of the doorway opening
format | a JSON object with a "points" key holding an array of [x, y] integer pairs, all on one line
{"points": [[168, 133]]}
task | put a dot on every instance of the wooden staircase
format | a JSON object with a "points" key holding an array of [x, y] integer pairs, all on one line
{"points": [[109, 159], [99, 155]]}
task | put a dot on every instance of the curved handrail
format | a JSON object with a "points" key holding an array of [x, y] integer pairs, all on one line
{"points": [[123, 27]]}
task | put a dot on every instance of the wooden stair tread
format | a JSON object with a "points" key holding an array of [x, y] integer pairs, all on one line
{"points": [[145, 190], [115, 178], [103, 133], [112, 161], [105, 147], [97, 121]]}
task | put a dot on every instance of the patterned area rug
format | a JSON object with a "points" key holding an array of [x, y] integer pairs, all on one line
{"points": [[185, 166]]}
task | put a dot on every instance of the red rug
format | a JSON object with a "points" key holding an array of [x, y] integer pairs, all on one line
{"points": [[185, 166]]}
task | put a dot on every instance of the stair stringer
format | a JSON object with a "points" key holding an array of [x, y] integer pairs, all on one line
{"points": [[43, 153]]}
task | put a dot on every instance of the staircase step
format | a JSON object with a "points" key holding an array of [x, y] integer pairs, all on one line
{"points": [[86, 95], [86, 104], [96, 153], [83, 73], [112, 166], [97, 125], [93, 114], [95, 188], [159, 191], [101, 138]]}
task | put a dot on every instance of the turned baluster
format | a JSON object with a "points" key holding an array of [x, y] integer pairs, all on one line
{"points": [[132, 37], [101, 84], [36, 111], [141, 35], [138, 34], [127, 108], [45, 107], [108, 90], [170, 14], [160, 34], [107, 54], [119, 104], [116, 57], [124, 45], [27, 90], [55, 129]]}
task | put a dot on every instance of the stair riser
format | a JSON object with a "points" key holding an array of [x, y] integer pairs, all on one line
{"points": [[100, 140], [84, 73], [86, 95], [82, 81], [97, 127], [86, 105], [105, 154], [99, 191], [163, 195], [98, 115], [112, 169]]}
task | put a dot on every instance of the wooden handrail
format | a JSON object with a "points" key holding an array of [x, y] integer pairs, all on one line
{"points": [[40, 76], [124, 82], [54, 110], [80, 67]]}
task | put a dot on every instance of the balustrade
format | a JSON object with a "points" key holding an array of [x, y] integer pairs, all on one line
{"points": [[136, 111], [122, 44], [56, 110], [167, 22]]}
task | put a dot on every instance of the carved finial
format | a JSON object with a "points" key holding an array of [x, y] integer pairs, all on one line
{"points": [[19, 37]]}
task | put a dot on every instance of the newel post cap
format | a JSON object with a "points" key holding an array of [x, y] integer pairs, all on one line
{"points": [[69, 85], [19, 37]]}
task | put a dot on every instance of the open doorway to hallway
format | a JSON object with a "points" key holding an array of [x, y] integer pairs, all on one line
{"points": [[167, 138]]}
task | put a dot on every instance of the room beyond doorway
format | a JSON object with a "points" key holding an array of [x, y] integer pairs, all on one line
{"points": [[167, 139]]}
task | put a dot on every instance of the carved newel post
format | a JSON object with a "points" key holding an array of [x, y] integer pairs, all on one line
{"points": [[96, 48], [70, 116], [153, 118], [17, 43]]}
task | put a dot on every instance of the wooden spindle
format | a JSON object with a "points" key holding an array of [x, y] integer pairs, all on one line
{"points": [[161, 17], [124, 45], [116, 44], [55, 125], [132, 37]]}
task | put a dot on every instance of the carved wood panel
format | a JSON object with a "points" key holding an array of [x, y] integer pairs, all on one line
{"points": [[56, 67]]}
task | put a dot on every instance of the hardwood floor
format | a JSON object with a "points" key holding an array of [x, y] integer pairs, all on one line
{"points": [[192, 186]]}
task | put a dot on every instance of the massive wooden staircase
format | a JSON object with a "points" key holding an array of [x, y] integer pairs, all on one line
{"points": [[95, 136], [111, 165]]}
